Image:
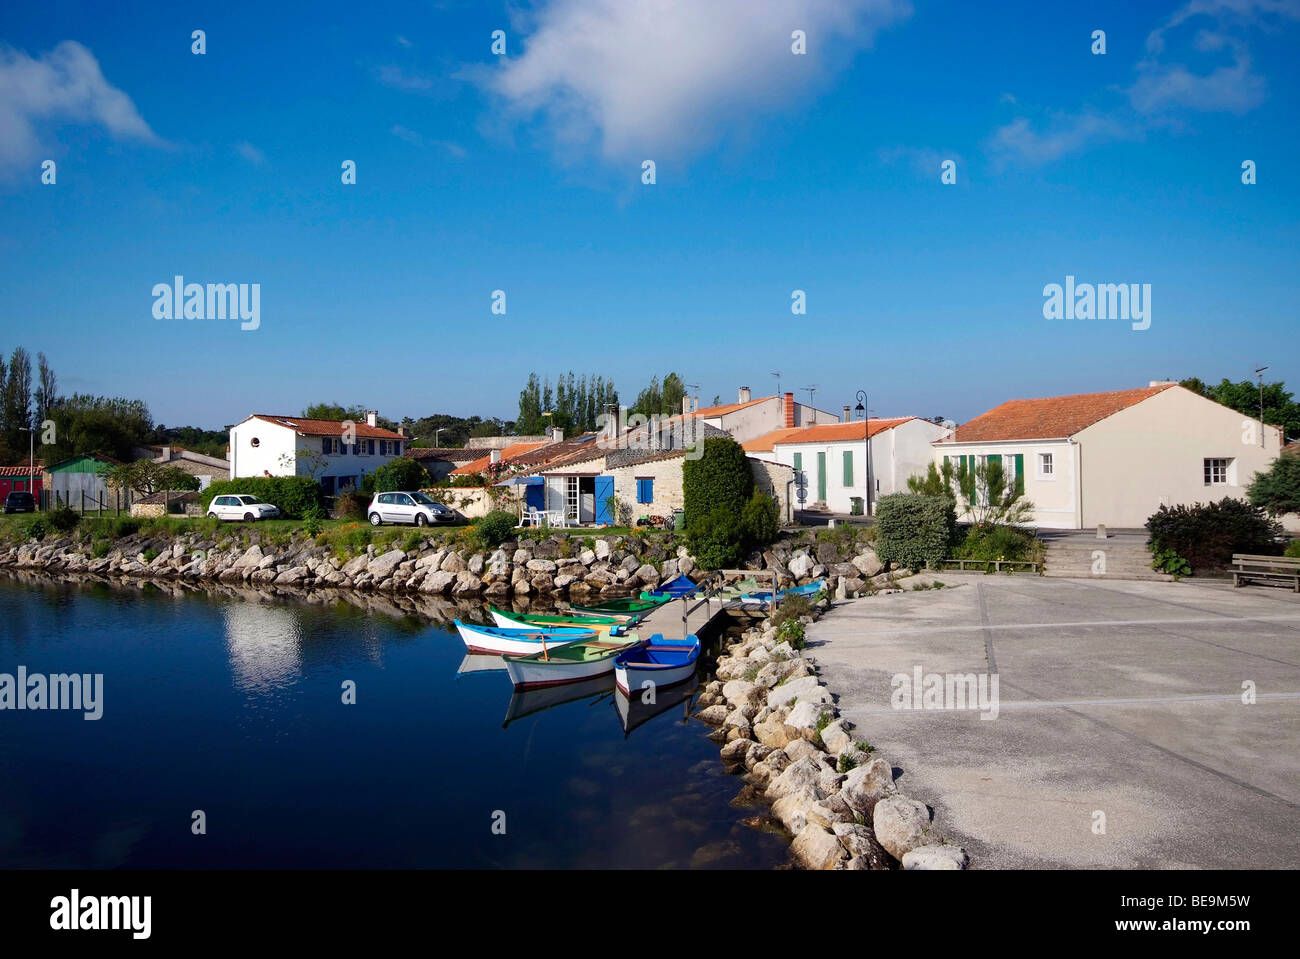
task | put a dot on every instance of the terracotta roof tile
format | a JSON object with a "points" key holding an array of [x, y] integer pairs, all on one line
{"points": [[842, 432], [326, 427], [483, 462], [1051, 417]]}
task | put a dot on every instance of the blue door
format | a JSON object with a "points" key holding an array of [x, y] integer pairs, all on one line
{"points": [[604, 490]]}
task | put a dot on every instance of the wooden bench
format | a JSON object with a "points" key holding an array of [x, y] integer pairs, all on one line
{"points": [[1266, 568]]}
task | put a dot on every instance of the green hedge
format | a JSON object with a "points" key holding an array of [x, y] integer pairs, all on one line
{"points": [[294, 495], [722, 478], [914, 530], [1207, 534]]}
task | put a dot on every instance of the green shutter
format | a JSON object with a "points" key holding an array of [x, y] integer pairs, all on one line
{"points": [[821, 477], [848, 467], [1020, 474], [798, 462]]}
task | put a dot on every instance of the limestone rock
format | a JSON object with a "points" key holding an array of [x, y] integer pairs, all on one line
{"points": [[900, 824], [936, 857]]}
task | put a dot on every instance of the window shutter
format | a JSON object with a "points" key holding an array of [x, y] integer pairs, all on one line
{"points": [[1020, 474], [325, 445], [848, 467]]}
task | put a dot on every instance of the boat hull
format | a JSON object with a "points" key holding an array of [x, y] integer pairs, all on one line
{"points": [[508, 621], [664, 663], [535, 672], [478, 640]]}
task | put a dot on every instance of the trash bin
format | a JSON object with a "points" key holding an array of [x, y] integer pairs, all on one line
{"points": [[679, 519], [855, 505]]}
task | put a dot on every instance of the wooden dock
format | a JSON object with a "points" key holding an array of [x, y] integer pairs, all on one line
{"points": [[700, 614]]}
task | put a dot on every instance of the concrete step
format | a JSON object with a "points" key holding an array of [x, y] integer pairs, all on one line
{"points": [[1149, 575]]}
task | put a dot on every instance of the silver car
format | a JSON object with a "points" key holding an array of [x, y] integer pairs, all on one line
{"points": [[406, 507], [241, 506]]}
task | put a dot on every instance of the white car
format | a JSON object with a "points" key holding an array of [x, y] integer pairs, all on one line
{"points": [[241, 506], [403, 507]]}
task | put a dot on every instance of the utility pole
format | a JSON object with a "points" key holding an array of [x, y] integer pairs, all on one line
{"points": [[1259, 373]]}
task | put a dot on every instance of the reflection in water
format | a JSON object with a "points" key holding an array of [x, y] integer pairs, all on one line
{"points": [[263, 643], [634, 711], [528, 701]]}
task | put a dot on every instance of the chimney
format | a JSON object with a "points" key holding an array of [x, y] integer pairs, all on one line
{"points": [[789, 410], [686, 404], [846, 415], [494, 457], [557, 434], [744, 395], [372, 417], [401, 430], [166, 454]]}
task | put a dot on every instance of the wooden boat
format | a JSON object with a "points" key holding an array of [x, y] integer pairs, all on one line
{"points": [[601, 625], [495, 639], [674, 588], [663, 662], [634, 712], [570, 663], [529, 702], [765, 597], [739, 588], [626, 608]]}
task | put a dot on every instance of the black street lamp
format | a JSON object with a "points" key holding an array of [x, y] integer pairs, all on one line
{"points": [[863, 409]]}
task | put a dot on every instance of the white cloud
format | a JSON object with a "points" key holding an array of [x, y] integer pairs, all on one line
{"points": [[65, 85], [451, 148], [1164, 86], [1062, 134], [665, 78], [250, 153]]}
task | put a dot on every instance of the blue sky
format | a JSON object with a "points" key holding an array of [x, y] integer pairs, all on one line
{"points": [[775, 172]]}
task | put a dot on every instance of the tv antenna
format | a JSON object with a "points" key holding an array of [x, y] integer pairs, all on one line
{"points": [[812, 391], [777, 374]]}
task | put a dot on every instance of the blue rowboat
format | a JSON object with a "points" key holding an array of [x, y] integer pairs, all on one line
{"points": [[765, 597], [658, 661], [517, 642]]}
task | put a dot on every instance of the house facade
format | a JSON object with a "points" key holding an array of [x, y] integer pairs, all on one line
{"points": [[1114, 458], [21, 479], [79, 480], [207, 469], [749, 418], [830, 460], [337, 454]]}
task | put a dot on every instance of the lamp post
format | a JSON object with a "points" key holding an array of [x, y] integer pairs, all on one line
{"points": [[1259, 373], [435, 435], [866, 447], [31, 461]]}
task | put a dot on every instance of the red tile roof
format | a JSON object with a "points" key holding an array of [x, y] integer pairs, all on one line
{"points": [[19, 470], [842, 432], [1052, 417], [764, 443], [483, 462], [726, 408], [327, 427]]}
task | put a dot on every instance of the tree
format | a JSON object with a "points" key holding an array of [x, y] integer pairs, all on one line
{"points": [[356, 413], [402, 473], [938, 481], [47, 389], [1278, 490], [97, 425], [16, 408], [146, 477], [720, 479]]}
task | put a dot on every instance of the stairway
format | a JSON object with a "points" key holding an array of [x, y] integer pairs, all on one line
{"points": [[1122, 557]]}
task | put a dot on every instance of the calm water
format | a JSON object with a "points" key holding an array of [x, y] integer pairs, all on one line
{"points": [[233, 705]]}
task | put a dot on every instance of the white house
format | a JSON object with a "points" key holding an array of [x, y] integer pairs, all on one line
{"points": [[1115, 458], [830, 459], [749, 418], [337, 453]]}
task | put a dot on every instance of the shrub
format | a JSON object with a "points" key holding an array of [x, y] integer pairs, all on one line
{"points": [[402, 473], [760, 520], [64, 518], [914, 530], [36, 528], [311, 520], [1293, 549], [1167, 561], [720, 479], [791, 631], [496, 527], [350, 505], [715, 539], [101, 548], [1207, 534], [293, 495], [990, 541]]}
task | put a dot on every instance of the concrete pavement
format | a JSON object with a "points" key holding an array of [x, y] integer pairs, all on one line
{"points": [[1119, 705]]}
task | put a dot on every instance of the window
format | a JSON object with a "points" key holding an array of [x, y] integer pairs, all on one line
{"points": [[848, 467], [645, 489], [1216, 472], [383, 447], [571, 497], [1046, 468], [397, 447], [254, 442]]}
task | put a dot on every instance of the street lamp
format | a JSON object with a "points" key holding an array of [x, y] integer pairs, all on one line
{"points": [[435, 435], [866, 445], [1260, 374], [31, 461]]}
